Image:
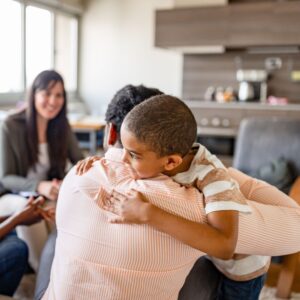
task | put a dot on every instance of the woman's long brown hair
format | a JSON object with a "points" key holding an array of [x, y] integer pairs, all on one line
{"points": [[57, 130]]}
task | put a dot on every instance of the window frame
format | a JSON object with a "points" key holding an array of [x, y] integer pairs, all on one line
{"points": [[11, 99]]}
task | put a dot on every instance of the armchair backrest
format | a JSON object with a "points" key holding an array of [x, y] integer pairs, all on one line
{"points": [[260, 141]]}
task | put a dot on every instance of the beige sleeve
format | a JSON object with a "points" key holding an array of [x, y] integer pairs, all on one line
{"points": [[260, 191], [273, 226]]}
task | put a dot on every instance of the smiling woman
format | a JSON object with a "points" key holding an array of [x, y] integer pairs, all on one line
{"points": [[37, 142], [49, 102]]}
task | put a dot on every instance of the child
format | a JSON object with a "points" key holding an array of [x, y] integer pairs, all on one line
{"points": [[158, 136]]}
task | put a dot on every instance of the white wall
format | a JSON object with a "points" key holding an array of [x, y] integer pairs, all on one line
{"points": [[117, 48]]}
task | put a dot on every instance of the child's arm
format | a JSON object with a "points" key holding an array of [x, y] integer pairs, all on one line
{"points": [[260, 233], [219, 241], [226, 224]]}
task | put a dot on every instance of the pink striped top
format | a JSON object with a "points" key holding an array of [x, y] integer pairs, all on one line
{"points": [[98, 260]]}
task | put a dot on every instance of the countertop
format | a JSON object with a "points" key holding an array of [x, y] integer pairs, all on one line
{"points": [[242, 105]]}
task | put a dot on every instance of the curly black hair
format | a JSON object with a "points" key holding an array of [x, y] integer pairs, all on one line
{"points": [[125, 100]]}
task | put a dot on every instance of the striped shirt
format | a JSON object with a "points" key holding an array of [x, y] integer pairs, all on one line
{"points": [[221, 192], [95, 259], [208, 174]]}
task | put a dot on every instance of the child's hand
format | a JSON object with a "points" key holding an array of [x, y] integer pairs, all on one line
{"points": [[130, 208], [85, 164]]}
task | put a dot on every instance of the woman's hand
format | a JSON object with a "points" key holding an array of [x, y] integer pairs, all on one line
{"points": [[30, 214], [130, 208], [49, 189], [85, 164], [48, 213]]}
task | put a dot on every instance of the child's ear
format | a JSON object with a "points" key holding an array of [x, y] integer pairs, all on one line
{"points": [[172, 162]]}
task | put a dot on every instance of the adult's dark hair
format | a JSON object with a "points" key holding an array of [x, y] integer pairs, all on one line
{"points": [[125, 100], [57, 129], [164, 123]]}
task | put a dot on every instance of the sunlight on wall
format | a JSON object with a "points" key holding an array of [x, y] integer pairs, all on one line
{"points": [[117, 48]]}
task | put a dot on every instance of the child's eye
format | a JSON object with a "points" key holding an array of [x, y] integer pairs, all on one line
{"points": [[133, 156]]}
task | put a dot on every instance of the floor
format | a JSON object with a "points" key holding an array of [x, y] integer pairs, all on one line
{"points": [[26, 288], [272, 279], [268, 293]]}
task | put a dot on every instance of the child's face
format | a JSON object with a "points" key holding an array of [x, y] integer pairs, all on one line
{"points": [[144, 162]]}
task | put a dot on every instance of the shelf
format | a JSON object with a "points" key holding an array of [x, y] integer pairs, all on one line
{"points": [[217, 131], [240, 105]]}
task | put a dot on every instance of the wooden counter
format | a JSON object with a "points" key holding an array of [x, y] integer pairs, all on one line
{"points": [[90, 125]]}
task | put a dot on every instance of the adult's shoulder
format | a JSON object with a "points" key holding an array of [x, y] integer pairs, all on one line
{"points": [[15, 119], [14, 127]]}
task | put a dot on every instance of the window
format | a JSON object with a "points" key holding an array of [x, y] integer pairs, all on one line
{"points": [[66, 49], [38, 41], [11, 44], [39, 38]]}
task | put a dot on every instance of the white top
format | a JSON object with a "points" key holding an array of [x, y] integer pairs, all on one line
{"points": [[42, 166]]}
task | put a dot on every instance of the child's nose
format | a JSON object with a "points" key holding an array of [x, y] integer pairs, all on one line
{"points": [[125, 157]]}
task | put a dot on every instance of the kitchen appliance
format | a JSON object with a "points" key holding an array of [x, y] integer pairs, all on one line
{"points": [[253, 85], [246, 91]]}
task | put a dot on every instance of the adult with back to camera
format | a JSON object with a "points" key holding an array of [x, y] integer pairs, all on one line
{"points": [[204, 278], [106, 262], [37, 142]]}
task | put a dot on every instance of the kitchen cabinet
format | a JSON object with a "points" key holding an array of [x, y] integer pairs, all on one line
{"points": [[236, 25], [191, 27]]}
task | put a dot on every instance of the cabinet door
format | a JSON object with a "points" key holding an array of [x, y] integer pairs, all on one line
{"points": [[286, 23], [191, 27], [236, 25], [250, 25]]}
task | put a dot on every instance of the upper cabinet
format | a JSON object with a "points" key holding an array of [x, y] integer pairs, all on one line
{"points": [[236, 25]]}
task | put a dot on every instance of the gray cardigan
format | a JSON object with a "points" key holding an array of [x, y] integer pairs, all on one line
{"points": [[14, 161]]}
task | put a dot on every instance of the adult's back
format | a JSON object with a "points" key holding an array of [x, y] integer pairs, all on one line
{"points": [[95, 259]]}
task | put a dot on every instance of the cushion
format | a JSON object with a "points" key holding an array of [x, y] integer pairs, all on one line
{"points": [[3, 190], [279, 173]]}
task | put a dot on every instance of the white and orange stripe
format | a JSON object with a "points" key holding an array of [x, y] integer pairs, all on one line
{"points": [[221, 193]]}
